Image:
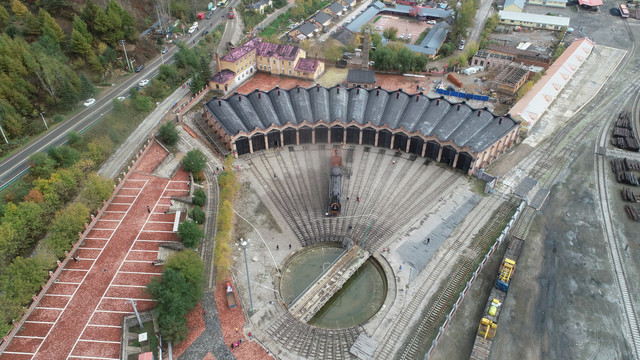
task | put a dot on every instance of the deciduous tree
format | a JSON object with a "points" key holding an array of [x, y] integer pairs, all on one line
{"points": [[194, 161], [168, 134], [190, 233]]}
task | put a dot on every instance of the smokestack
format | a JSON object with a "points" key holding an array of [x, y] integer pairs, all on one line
{"points": [[378, 92], [438, 102], [417, 97], [338, 89], [500, 121], [358, 90], [397, 94], [259, 95], [479, 112]]}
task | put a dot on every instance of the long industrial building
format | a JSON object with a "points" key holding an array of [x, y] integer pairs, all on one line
{"points": [[451, 133]]}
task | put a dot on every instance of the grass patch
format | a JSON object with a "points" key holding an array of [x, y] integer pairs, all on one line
{"points": [[151, 337], [378, 18], [422, 36]]}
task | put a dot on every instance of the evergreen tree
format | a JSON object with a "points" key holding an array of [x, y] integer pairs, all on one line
{"points": [[87, 89], [89, 15], [4, 18], [68, 95], [79, 43], [32, 25], [18, 8], [80, 26], [50, 27]]}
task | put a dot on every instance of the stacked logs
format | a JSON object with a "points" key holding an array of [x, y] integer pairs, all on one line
{"points": [[623, 135], [622, 168]]}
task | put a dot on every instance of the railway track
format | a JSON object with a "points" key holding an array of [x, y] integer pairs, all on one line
{"points": [[600, 169], [416, 345]]}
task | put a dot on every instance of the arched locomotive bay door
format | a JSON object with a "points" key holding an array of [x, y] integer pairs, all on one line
{"points": [[464, 161], [322, 134], [257, 140], [289, 137], [433, 149], [273, 137], [384, 138], [305, 135], [448, 155], [416, 145], [369, 136], [400, 141], [242, 146], [337, 134], [353, 135]]}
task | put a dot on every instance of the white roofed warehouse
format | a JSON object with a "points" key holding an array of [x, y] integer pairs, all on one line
{"points": [[451, 133]]}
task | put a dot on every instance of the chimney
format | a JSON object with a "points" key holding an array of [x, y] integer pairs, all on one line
{"points": [[479, 112], [358, 90], [378, 92], [259, 94], [417, 97], [500, 121], [338, 89], [458, 109], [318, 88], [438, 102], [298, 87], [398, 94]]}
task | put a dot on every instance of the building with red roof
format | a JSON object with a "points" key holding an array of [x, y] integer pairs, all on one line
{"points": [[239, 64]]}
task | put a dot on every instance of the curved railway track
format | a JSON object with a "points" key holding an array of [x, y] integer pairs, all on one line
{"points": [[416, 345], [600, 169]]}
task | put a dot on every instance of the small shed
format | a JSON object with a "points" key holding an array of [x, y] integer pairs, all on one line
{"points": [[364, 78]]}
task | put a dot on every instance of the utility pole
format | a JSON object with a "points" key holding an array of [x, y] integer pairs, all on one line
{"points": [[125, 55], [246, 264], [43, 120], [135, 310]]}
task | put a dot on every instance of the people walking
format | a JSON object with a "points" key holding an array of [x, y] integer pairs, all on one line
{"points": [[289, 246], [148, 209], [277, 247]]}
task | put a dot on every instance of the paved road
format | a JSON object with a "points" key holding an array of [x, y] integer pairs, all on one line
{"points": [[17, 164], [232, 30]]}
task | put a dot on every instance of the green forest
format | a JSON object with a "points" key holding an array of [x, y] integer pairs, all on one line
{"points": [[47, 69]]}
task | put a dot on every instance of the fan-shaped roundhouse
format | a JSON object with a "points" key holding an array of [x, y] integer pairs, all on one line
{"points": [[452, 133]]}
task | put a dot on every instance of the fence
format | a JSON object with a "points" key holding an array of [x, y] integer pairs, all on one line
{"points": [[184, 107], [53, 276], [462, 95], [464, 292]]}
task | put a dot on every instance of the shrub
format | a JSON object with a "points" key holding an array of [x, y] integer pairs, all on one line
{"points": [[199, 197], [168, 134], [190, 233], [198, 215]]}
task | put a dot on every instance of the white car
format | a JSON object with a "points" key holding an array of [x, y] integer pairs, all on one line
{"points": [[143, 82], [195, 24], [89, 102], [431, 22], [401, 36], [191, 30], [409, 37], [121, 98]]}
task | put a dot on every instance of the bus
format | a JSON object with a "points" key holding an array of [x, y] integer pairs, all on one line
{"points": [[224, 3], [624, 11]]}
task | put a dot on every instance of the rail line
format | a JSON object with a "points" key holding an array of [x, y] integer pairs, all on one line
{"points": [[468, 264]]}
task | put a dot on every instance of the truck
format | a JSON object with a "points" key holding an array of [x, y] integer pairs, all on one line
{"points": [[231, 297], [230, 14]]}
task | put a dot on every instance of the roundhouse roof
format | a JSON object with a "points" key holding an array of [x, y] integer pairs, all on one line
{"points": [[465, 126]]}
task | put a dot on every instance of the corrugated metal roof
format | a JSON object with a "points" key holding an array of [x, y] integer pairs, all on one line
{"points": [[534, 18], [465, 126]]}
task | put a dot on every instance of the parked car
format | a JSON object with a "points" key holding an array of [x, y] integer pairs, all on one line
{"points": [[204, 33], [195, 24], [165, 49], [409, 37], [371, 63], [139, 68], [143, 82], [401, 36], [89, 102], [121, 98], [431, 22]]}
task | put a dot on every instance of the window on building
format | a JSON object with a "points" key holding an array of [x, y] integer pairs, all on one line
{"points": [[282, 62], [283, 71], [289, 63], [260, 58], [274, 61], [289, 72]]}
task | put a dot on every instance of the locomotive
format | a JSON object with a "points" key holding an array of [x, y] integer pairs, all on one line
{"points": [[335, 183]]}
